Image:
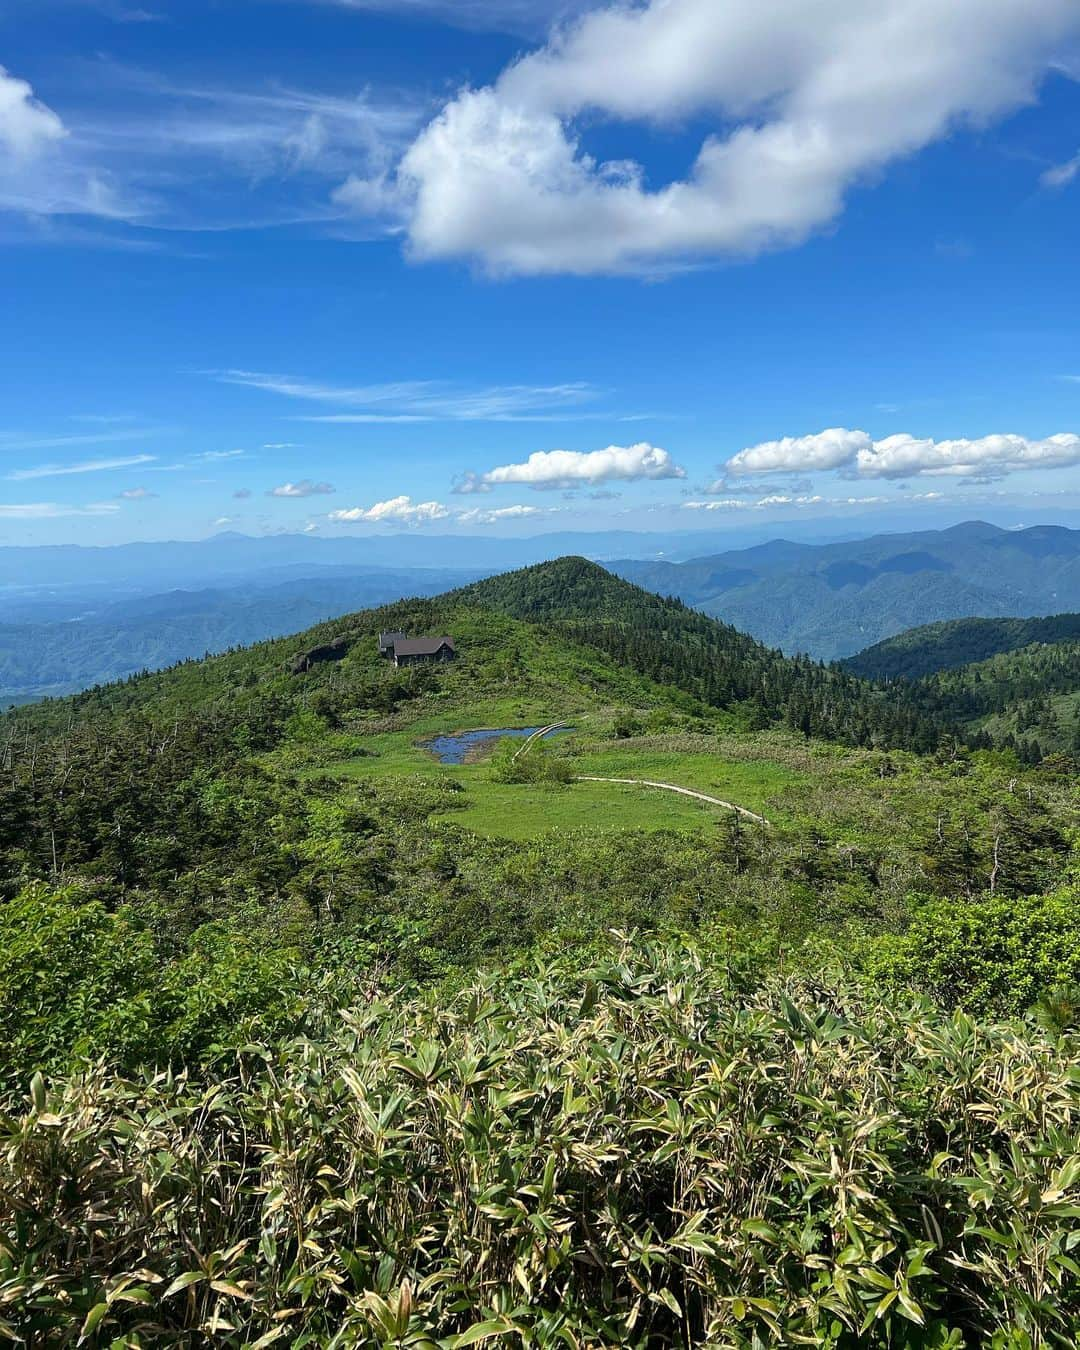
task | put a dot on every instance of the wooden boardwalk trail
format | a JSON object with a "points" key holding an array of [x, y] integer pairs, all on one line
{"points": [[686, 792], [642, 782]]}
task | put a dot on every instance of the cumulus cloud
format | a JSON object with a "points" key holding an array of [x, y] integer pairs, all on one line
{"points": [[829, 449], [38, 176], [575, 468], [466, 484], [805, 99], [305, 488], [857, 455], [27, 126], [905, 456], [397, 510]]}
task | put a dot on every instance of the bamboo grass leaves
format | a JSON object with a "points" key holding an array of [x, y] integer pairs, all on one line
{"points": [[644, 1153]]}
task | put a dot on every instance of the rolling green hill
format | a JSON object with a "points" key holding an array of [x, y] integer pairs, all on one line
{"points": [[957, 642], [673, 644], [303, 1026]]}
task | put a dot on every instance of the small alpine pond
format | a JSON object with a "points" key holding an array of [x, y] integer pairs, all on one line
{"points": [[461, 746]]}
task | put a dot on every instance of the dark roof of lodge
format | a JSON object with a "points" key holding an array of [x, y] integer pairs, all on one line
{"points": [[388, 639], [427, 646]]}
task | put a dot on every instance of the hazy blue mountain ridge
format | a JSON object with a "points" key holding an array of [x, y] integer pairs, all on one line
{"points": [[832, 600]]}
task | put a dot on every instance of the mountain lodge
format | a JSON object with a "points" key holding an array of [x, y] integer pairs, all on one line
{"points": [[406, 651]]}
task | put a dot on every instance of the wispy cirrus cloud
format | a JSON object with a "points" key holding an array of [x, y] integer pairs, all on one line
{"points": [[12, 441], [83, 466], [127, 146], [1061, 175], [500, 16], [426, 400], [53, 510]]}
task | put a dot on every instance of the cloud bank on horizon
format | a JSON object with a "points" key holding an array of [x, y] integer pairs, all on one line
{"points": [[855, 454]]}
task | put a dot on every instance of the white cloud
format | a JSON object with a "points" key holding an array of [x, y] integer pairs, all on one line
{"points": [[856, 455], [53, 510], [27, 126], [144, 150], [903, 456], [398, 510], [210, 456], [305, 488], [1061, 175], [138, 494], [40, 175], [782, 499], [424, 400], [478, 516], [569, 468], [63, 442], [503, 16], [85, 466], [805, 98], [827, 449]]}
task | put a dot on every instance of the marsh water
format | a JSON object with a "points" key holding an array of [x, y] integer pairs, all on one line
{"points": [[462, 746]]}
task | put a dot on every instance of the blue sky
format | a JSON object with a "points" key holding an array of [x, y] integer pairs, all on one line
{"points": [[512, 266]]}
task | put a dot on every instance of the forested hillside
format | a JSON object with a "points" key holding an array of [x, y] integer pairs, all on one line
{"points": [[308, 1036], [957, 642], [1027, 699], [832, 600], [673, 644]]}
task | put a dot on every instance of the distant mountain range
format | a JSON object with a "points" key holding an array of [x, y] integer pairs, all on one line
{"points": [[58, 571], [832, 600], [114, 640], [74, 616]]}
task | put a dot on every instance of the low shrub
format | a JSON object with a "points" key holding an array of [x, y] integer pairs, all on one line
{"points": [[996, 955], [641, 1153], [512, 762]]}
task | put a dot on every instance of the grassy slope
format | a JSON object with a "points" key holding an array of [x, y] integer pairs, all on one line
{"points": [[513, 673]]}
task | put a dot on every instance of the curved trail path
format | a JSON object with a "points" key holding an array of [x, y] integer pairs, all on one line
{"points": [[686, 792]]}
